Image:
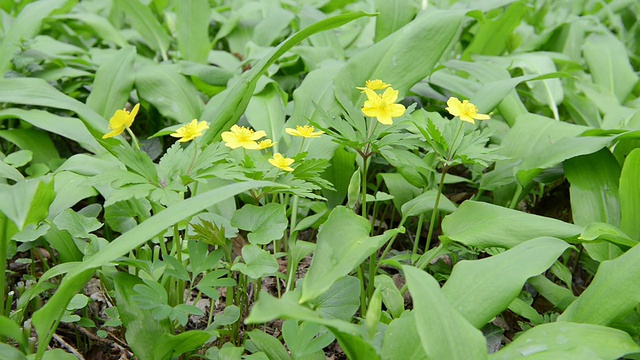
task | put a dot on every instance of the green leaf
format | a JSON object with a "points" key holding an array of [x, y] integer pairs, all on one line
{"points": [[70, 128], [113, 83], [340, 301], [266, 223], [45, 318], [613, 293], [33, 91], [192, 25], [146, 24], [265, 111], [393, 15], [19, 158], [343, 243], [559, 296], [25, 26], [609, 64], [100, 25], [142, 330], [493, 36], [401, 340], [443, 332], [559, 340], [225, 109], [257, 262], [27, 202], [391, 296], [485, 225], [630, 195], [418, 46], [76, 224], [481, 289], [426, 202], [269, 345], [170, 92], [9, 352], [9, 172], [38, 142]]}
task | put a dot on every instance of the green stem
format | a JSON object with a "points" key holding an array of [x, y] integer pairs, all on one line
{"points": [[4, 244], [416, 241], [195, 154], [363, 300], [134, 138], [434, 214]]}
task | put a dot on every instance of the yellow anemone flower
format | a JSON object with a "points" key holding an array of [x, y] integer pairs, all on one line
{"points": [[304, 131], [383, 107], [374, 85], [240, 136], [281, 162], [121, 120], [191, 131], [265, 144], [465, 110]]}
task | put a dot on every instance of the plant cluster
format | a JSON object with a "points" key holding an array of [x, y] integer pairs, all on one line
{"points": [[278, 179]]}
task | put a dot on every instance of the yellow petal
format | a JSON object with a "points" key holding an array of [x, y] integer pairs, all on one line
{"points": [[390, 96]]}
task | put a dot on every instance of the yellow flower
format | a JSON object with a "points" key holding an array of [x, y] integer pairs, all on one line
{"points": [[374, 85], [281, 162], [121, 120], [465, 110], [265, 144], [240, 136], [304, 131], [383, 107], [191, 131]]}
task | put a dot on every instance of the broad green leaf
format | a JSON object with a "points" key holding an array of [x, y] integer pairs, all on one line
{"points": [[76, 224], [19, 158], [144, 22], [45, 319], [38, 142], [559, 296], [269, 345], [113, 83], [192, 25], [400, 188], [609, 64], [27, 202], [630, 195], [417, 46], [444, 333], [25, 26], [485, 225], [493, 36], [63, 243], [37, 92], [225, 109], [559, 340], [9, 172], [393, 15], [164, 87], [68, 127], [481, 289], [594, 196], [426, 202], [341, 301], [541, 133], [343, 243], [257, 262], [9, 352], [401, 341], [265, 223], [265, 111], [305, 339], [613, 293]]}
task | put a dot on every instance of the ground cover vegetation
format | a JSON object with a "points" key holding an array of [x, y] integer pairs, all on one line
{"points": [[310, 179]]}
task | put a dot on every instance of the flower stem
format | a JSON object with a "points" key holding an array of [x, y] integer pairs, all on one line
{"points": [[134, 138], [435, 208]]}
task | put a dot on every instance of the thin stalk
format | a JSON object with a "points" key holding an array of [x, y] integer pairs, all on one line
{"points": [[4, 244], [292, 239], [434, 214], [134, 138], [363, 300], [416, 241]]}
